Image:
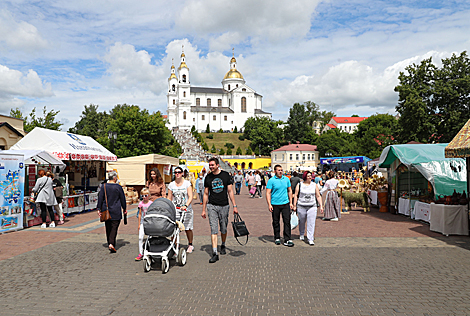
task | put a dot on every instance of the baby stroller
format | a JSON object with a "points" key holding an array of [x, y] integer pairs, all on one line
{"points": [[163, 232]]}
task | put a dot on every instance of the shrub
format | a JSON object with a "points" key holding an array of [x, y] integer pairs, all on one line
{"points": [[229, 151], [249, 151], [241, 137], [221, 151], [210, 136], [208, 128], [239, 151], [213, 150], [229, 145], [220, 131], [235, 130]]}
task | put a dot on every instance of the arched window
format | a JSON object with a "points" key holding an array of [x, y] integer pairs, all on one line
{"points": [[219, 102], [198, 101], [243, 165], [214, 118], [173, 87], [244, 105], [184, 115], [237, 86], [228, 87], [250, 165], [208, 102], [243, 89], [174, 101], [184, 78], [184, 94], [203, 117], [225, 117]]}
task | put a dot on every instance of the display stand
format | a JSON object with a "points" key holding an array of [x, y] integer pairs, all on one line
{"points": [[449, 219], [422, 211]]}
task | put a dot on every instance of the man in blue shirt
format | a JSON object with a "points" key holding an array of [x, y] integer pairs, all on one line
{"points": [[279, 197]]}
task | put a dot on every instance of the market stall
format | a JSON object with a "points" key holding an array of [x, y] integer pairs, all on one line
{"points": [[85, 162], [421, 173], [345, 164]]}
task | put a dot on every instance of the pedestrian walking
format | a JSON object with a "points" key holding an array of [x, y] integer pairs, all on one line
{"points": [[180, 192], [45, 198], [251, 180], [112, 198], [263, 181], [279, 198], [141, 211], [319, 180], [59, 196], [156, 185], [332, 203], [258, 184], [294, 180], [200, 187], [217, 190], [238, 178], [307, 199]]}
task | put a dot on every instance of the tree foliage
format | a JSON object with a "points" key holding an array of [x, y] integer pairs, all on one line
{"points": [[263, 131], [374, 134], [92, 123], [47, 120], [297, 125], [336, 143], [239, 151]]}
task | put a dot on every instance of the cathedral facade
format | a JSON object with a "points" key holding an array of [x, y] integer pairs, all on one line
{"points": [[222, 108]]}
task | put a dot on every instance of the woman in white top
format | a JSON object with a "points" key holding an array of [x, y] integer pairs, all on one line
{"points": [[181, 194], [258, 184], [305, 202], [332, 206], [45, 197]]}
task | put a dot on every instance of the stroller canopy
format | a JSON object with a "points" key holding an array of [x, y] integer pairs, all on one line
{"points": [[160, 218]]}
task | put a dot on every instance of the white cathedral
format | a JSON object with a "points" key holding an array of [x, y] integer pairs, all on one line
{"points": [[222, 108]]}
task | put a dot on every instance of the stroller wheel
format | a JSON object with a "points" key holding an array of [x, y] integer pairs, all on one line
{"points": [[182, 257], [147, 264], [165, 265]]}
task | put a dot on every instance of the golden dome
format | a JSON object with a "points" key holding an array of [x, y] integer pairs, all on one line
{"points": [[183, 55], [183, 65], [172, 66], [233, 60], [173, 76], [233, 74]]}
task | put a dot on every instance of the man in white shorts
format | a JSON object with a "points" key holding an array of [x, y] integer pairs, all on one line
{"points": [[217, 188]]}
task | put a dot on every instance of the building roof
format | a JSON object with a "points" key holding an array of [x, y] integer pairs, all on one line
{"points": [[348, 120], [330, 125], [296, 147], [6, 124], [259, 111], [218, 109], [207, 90]]}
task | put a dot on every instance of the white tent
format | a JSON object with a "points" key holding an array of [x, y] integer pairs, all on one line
{"points": [[64, 146], [37, 157]]}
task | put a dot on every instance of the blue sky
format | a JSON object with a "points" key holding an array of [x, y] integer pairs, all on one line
{"points": [[343, 55]]}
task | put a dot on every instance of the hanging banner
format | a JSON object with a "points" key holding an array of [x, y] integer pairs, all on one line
{"points": [[11, 192], [166, 169]]}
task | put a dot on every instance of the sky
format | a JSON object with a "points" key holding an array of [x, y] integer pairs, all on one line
{"points": [[344, 55]]}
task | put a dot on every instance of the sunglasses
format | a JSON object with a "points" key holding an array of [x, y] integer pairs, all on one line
{"points": [[176, 172], [144, 195]]}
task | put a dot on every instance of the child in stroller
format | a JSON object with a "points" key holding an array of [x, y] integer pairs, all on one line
{"points": [[163, 231]]}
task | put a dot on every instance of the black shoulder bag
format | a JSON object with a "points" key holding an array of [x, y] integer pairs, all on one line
{"points": [[239, 228]]}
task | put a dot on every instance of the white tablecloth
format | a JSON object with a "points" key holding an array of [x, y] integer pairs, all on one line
{"points": [[404, 206], [422, 211], [449, 219], [373, 197]]}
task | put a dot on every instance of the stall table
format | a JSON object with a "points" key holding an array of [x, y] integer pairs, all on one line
{"points": [[404, 206], [373, 196], [422, 211], [449, 219], [74, 203]]}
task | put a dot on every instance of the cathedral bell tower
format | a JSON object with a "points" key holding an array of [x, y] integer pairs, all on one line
{"points": [[172, 99], [183, 94]]}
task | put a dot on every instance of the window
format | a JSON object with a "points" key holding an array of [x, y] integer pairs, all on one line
{"points": [[275, 157], [173, 88], [290, 156], [184, 78], [174, 101], [244, 105], [308, 157], [229, 102], [184, 94], [219, 102], [237, 86], [313, 156], [349, 128], [296, 156], [213, 118], [203, 117], [184, 115], [228, 87], [314, 124], [198, 101], [208, 102], [194, 119], [282, 157], [243, 89], [303, 156], [225, 117]]}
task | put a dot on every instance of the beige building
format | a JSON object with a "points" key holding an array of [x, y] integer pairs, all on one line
{"points": [[316, 126], [11, 131], [296, 157]]}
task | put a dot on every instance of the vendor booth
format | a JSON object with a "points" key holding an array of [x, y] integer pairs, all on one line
{"points": [[420, 176], [345, 164], [85, 162]]}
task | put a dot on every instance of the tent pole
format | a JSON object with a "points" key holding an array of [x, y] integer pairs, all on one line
{"points": [[84, 185], [409, 187]]}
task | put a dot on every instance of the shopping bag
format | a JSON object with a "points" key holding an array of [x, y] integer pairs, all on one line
{"points": [[294, 220], [239, 228], [252, 190]]}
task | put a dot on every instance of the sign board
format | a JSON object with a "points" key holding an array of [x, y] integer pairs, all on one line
{"points": [[12, 177], [339, 160]]}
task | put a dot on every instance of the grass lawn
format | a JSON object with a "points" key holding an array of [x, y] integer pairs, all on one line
{"points": [[221, 138]]}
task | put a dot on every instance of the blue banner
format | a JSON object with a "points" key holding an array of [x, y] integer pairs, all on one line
{"points": [[11, 192]]}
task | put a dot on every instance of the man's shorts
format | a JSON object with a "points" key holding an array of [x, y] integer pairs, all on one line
{"points": [[218, 215]]}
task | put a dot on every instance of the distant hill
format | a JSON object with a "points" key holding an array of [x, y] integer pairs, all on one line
{"points": [[220, 139]]}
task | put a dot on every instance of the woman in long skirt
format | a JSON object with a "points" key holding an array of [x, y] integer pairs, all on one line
{"points": [[332, 203]]}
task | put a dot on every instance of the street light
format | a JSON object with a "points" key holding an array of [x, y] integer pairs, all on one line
{"points": [[112, 136]]}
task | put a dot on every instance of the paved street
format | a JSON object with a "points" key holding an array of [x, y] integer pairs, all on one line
{"points": [[365, 264]]}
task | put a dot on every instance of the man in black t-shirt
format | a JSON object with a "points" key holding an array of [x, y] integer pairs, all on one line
{"points": [[217, 189]]}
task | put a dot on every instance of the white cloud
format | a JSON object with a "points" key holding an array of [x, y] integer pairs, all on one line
{"points": [[20, 35]]}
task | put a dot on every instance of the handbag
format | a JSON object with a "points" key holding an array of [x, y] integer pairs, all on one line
{"points": [[294, 220], [35, 196], [239, 228], [104, 216], [252, 190]]}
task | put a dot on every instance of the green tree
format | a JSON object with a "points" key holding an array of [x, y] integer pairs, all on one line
{"points": [[221, 151], [235, 130], [239, 151], [297, 125], [204, 146], [208, 128], [265, 132], [47, 120], [417, 113], [210, 136], [193, 129], [92, 123], [354, 115], [313, 112], [336, 144], [325, 117], [229, 145], [374, 134], [213, 149], [220, 131], [139, 133], [249, 151], [229, 151]]}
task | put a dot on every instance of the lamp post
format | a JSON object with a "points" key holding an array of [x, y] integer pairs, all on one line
{"points": [[112, 136]]}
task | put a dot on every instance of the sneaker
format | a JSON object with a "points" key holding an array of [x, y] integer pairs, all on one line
{"points": [[215, 257], [277, 242], [223, 251], [139, 257], [43, 225], [61, 222], [301, 237], [311, 243], [190, 249], [289, 243], [52, 225], [334, 219]]}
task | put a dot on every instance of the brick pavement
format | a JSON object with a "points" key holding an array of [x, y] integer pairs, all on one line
{"points": [[365, 264]]}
